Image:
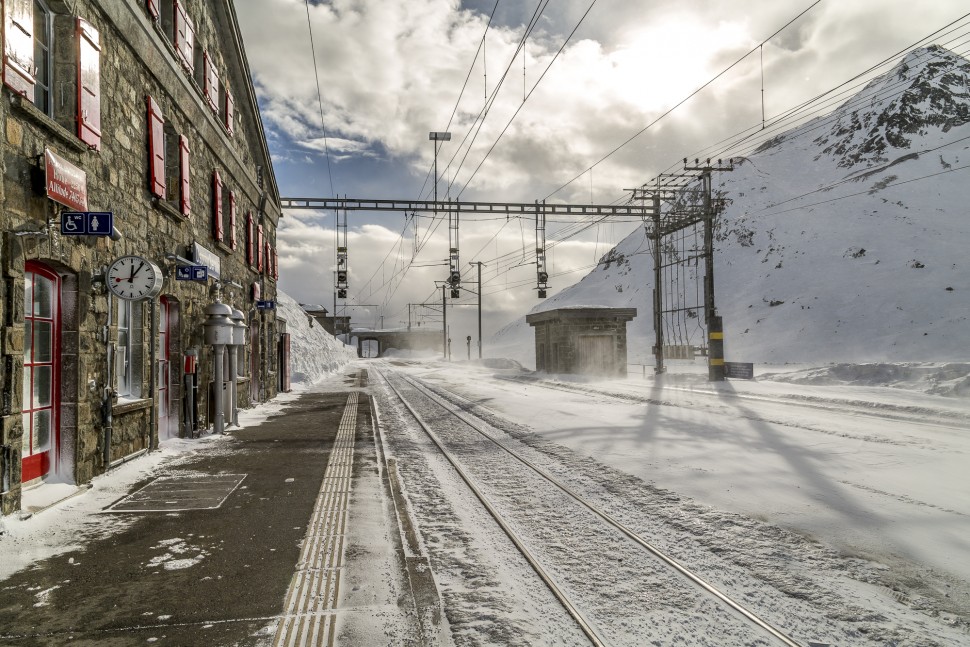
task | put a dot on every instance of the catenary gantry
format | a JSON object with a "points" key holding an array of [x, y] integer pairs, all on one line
{"points": [[444, 206]]}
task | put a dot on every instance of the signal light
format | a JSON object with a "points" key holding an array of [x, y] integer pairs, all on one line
{"points": [[455, 278], [341, 294], [341, 276], [542, 294], [455, 293], [543, 277]]}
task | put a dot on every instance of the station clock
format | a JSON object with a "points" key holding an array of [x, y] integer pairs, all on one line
{"points": [[134, 278]]}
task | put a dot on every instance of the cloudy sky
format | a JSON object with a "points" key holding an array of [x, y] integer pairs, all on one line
{"points": [[588, 82]]}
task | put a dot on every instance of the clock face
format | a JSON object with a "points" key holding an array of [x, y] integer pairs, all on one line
{"points": [[134, 278]]}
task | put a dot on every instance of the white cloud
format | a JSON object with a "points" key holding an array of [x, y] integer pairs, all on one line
{"points": [[391, 71]]}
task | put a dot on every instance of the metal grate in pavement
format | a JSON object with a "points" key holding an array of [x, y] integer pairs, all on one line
{"points": [[180, 493]]}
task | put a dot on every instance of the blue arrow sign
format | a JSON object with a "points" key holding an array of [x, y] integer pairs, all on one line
{"points": [[87, 223]]}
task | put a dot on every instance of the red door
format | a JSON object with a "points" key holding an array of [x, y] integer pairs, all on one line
{"points": [[41, 397]]}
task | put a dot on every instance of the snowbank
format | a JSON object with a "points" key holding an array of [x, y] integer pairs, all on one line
{"points": [[314, 353]]}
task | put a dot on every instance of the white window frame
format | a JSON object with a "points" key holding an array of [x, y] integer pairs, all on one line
{"points": [[44, 44], [127, 360]]}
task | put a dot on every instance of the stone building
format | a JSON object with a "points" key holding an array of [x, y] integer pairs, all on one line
{"points": [[143, 109], [585, 340]]}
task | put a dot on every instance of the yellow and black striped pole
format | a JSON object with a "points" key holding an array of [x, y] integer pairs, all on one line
{"points": [[715, 352]]}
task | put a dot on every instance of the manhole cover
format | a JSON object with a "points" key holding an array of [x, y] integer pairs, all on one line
{"points": [[178, 493]]}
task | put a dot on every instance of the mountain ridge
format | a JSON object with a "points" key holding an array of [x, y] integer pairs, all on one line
{"points": [[844, 240]]}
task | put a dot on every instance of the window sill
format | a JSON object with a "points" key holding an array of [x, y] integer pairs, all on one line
{"points": [[166, 207], [223, 247], [130, 406], [31, 112]]}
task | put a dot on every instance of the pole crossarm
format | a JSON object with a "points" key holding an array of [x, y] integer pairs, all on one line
{"points": [[506, 208]]}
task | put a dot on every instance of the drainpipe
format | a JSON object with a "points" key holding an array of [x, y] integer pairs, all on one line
{"points": [[152, 379], [108, 393]]}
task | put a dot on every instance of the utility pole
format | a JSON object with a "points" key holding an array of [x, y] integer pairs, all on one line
{"points": [[444, 323], [715, 326], [658, 316], [479, 264]]}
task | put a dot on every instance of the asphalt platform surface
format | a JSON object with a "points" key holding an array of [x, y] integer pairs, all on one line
{"points": [[114, 591]]}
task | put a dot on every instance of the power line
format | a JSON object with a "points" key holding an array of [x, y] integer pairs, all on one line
{"points": [[316, 74], [521, 105], [682, 101]]}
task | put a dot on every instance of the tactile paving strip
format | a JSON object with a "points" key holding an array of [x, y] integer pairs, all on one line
{"points": [[309, 618]]}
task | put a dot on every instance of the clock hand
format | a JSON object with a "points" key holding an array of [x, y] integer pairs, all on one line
{"points": [[136, 271]]}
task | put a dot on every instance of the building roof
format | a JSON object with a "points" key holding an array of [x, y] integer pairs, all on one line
{"points": [[581, 312]]}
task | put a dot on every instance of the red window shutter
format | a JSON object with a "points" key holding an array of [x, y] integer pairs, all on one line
{"points": [[89, 85], [156, 149], [217, 232], [232, 220], [185, 200], [230, 110], [154, 9], [259, 248], [210, 82], [276, 265], [184, 35], [250, 239], [18, 46], [267, 254]]}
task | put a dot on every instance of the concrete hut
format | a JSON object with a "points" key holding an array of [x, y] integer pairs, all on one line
{"points": [[584, 340]]}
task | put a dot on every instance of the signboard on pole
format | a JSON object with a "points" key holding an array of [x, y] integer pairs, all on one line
{"points": [[739, 370]]}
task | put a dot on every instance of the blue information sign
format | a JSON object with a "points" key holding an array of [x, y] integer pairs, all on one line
{"points": [[192, 273], [265, 305], [87, 223]]}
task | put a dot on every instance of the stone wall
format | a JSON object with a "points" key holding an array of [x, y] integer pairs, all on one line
{"points": [[137, 61]]}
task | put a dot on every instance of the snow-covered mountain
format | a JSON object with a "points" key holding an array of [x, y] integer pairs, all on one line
{"points": [[846, 239]]}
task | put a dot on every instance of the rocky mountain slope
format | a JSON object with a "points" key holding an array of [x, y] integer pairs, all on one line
{"points": [[847, 239]]}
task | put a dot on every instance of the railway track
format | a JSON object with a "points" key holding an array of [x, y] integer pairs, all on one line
{"points": [[617, 586]]}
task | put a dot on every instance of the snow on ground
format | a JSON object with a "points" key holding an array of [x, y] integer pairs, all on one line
{"points": [[65, 516], [871, 471]]}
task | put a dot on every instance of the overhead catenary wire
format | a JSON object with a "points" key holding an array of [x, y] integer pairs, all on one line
{"points": [[683, 101], [316, 76]]}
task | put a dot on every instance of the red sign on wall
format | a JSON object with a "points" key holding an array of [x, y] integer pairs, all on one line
{"points": [[65, 183]]}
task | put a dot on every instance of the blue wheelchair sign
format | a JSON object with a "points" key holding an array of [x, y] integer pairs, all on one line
{"points": [[87, 223]]}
